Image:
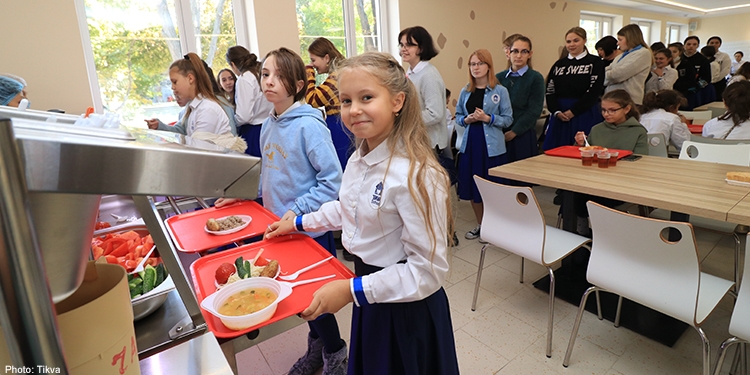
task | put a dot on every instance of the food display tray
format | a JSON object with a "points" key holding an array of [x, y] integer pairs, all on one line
{"points": [[188, 233], [574, 152], [293, 252]]}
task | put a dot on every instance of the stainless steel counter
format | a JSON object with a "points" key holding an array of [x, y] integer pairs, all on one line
{"points": [[200, 356]]}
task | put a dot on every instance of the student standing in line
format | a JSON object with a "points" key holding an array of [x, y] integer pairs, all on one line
{"points": [[394, 211], [606, 48], [685, 82], [324, 58], [252, 108], [738, 61], [630, 71], [526, 89], [300, 173], [663, 75], [574, 85], [227, 80], [704, 92], [725, 66], [483, 111]]}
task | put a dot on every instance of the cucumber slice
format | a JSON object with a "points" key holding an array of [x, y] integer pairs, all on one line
{"points": [[149, 279], [239, 264]]}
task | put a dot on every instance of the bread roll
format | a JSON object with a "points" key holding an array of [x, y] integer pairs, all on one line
{"points": [[739, 176]]}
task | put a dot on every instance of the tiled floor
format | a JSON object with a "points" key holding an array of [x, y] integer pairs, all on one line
{"points": [[507, 334]]}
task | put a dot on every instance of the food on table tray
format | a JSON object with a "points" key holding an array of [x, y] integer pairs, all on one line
{"points": [[126, 249], [270, 269], [592, 148], [146, 280], [226, 223], [101, 225], [228, 273], [247, 302], [739, 176], [223, 272]]}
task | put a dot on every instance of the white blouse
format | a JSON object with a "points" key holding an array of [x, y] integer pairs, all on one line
{"points": [[252, 106], [207, 116], [716, 128], [665, 82], [380, 223], [669, 124]]}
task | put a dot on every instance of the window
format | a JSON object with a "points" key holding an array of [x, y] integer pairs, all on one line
{"points": [[354, 26], [675, 33], [597, 27], [646, 27], [133, 43]]}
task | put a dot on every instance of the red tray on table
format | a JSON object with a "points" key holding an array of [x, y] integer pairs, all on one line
{"points": [[575, 152], [187, 230], [293, 252], [695, 129]]}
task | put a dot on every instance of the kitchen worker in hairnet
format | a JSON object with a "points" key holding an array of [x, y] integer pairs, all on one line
{"points": [[11, 91]]}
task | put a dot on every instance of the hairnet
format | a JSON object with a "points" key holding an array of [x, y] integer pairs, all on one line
{"points": [[9, 88]]}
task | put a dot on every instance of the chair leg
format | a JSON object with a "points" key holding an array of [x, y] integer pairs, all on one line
{"points": [[559, 221], [706, 352], [619, 309], [598, 306], [550, 317], [737, 249], [743, 358], [520, 279], [723, 353], [577, 324], [479, 278]]}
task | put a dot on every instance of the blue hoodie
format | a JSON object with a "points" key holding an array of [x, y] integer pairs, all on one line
{"points": [[301, 169]]}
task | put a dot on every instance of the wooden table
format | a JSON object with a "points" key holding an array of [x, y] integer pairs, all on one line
{"points": [[686, 186]]}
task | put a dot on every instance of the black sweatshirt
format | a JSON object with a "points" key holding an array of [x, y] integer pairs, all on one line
{"points": [[575, 79]]}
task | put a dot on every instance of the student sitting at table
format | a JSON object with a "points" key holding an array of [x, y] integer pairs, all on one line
{"points": [[735, 122], [660, 115], [620, 130]]}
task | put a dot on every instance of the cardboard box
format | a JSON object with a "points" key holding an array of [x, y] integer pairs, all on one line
{"points": [[96, 324]]}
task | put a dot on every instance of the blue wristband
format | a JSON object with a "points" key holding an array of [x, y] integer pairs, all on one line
{"points": [[298, 223], [359, 293], [492, 119]]}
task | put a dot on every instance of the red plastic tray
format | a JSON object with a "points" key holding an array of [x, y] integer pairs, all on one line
{"points": [[574, 152], [187, 230], [293, 252], [696, 129]]}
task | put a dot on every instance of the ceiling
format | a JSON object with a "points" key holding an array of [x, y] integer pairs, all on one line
{"points": [[683, 8]]}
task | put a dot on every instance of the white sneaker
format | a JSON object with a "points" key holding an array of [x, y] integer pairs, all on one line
{"points": [[474, 233]]}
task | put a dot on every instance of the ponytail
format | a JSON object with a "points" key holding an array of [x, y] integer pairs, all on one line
{"points": [[192, 64]]}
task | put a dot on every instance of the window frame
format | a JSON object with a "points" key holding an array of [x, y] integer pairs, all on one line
{"points": [[183, 13], [601, 20]]}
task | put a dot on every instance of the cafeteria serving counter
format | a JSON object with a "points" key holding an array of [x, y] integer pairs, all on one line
{"points": [[51, 179]]}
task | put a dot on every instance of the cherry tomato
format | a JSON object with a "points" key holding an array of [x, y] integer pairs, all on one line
{"points": [[223, 272]]}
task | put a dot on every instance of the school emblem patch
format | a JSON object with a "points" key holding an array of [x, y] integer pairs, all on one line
{"points": [[495, 98], [377, 195]]}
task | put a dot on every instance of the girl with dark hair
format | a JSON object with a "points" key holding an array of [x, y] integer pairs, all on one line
{"points": [[324, 57], [735, 122], [685, 82], [663, 75], [607, 49], [417, 49], [660, 115], [574, 85], [252, 108], [743, 74]]}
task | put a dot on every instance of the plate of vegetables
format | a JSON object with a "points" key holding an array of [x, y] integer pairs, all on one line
{"points": [[228, 273]]}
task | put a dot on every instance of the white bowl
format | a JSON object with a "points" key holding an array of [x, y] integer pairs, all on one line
{"points": [[212, 302]]}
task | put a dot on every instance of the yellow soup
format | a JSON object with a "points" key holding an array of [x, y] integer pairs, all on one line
{"points": [[247, 302]]}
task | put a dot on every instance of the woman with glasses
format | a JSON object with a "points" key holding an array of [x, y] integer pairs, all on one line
{"points": [[574, 85], [482, 112], [630, 71], [526, 89], [417, 49]]}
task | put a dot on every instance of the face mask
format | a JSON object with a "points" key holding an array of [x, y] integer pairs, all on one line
{"points": [[23, 104], [676, 60]]}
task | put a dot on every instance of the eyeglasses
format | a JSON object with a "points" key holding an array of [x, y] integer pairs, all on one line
{"points": [[477, 64], [611, 111], [516, 51], [407, 45]]}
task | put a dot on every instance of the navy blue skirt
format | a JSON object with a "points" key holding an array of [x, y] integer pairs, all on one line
{"points": [[522, 146], [343, 139], [412, 338], [476, 161], [251, 135], [561, 133]]}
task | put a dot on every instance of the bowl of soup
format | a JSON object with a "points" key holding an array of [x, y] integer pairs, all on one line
{"points": [[247, 302]]}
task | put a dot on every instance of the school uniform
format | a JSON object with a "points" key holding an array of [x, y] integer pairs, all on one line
{"points": [[725, 66], [482, 145], [326, 95], [401, 318], [252, 109], [575, 84], [431, 88], [664, 82], [667, 123], [526, 90], [704, 91], [725, 129], [629, 72]]}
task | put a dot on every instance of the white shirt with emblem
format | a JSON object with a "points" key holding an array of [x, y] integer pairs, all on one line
{"points": [[207, 116], [380, 223]]}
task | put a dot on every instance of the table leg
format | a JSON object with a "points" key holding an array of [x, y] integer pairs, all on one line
{"points": [[569, 212], [677, 216]]}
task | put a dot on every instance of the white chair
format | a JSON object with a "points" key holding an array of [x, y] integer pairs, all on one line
{"points": [[698, 115], [632, 256], [735, 154], [700, 139], [514, 221], [739, 326], [657, 144]]}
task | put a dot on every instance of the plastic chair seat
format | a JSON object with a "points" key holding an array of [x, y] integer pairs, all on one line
{"points": [[712, 290], [559, 243]]}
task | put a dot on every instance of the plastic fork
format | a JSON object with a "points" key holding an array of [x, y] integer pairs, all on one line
{"points": [[309, 281], [295, 275], [586, 140]]}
